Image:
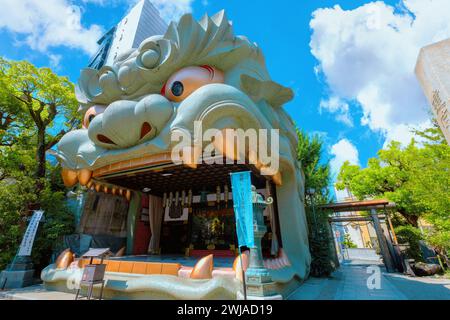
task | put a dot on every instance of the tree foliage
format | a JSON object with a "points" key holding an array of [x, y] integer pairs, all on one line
{"points": [[36, 108], [411, 236], [32, 101], [415, 177], [317, 172], [317, 179]]}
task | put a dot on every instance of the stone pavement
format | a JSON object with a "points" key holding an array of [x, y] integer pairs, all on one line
{"points": [[349, 282], [36, 292]]}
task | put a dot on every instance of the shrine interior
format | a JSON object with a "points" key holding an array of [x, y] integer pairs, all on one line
{"points": [[194, 207]]}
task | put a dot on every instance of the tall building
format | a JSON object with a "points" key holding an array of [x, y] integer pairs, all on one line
{"points": [[141, 22], [433, 72]]}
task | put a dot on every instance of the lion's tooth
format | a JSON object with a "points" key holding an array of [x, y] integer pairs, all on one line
{"points": [[69, 177], [84, 176], [90, 184], [190, 158], [226, 147], [253, 158], [275, 175], [276, 178]]}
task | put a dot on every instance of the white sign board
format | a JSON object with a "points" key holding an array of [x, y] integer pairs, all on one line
{"points": [[30, 234]]}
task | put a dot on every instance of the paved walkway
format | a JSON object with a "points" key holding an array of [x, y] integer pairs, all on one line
{"points": [[36, 292], [349, 282]]}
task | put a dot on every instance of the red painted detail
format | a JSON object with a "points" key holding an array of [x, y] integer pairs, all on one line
{"points": [[142, 232], [145, 129], [144, 201], [104, 139], [210, 69], [163, 89]]}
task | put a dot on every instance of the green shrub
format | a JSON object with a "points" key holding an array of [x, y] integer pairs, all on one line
{"points": [[323, 254], [348, 243], [409, 235], [15, 198]]}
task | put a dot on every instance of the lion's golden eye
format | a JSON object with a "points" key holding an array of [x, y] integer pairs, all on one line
{"points": [[185, 81], [90, 115]]}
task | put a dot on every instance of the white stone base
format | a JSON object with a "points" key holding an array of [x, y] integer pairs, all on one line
{"points": [[240, 296]]}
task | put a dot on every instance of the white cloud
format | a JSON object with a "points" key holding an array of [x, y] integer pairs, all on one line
{"points": [[339, 107], [342, 151], [54, 60], [170, 10], [49, 23], [368, 55]]}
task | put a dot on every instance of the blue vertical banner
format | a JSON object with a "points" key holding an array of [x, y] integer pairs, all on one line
{"points": [[243, 208]]}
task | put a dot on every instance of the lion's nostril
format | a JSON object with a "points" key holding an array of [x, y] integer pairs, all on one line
{"points": [[145, 129], [104, 139]]}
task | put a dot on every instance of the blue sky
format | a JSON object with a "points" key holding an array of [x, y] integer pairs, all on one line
{"points": [[350, 63]]}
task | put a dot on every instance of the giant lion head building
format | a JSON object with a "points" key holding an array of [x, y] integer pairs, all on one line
{"points": [[170, 215]]}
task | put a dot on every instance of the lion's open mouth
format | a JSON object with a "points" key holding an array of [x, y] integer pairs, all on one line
{"points": [[159, 176]]}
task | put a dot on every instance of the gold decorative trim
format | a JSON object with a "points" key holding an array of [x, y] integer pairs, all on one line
{"points": [[132, 164]]}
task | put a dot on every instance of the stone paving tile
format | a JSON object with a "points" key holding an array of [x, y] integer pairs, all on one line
{"points": [[349, 282], [37, 292]]}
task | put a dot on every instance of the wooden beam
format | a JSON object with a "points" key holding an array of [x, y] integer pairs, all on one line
{"points": [[351, 219], [365, 205]]}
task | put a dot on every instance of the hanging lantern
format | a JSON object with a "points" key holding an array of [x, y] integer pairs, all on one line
{"points": [[98, 186], [70, 177], [106, 189], [84, 176], [128, 195], [90, 184], [114, 191]]}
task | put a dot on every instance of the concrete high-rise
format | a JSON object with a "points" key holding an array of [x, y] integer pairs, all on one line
{"points": [[141, 22]]}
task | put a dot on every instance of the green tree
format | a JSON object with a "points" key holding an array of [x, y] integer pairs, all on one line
{"points": [[317, 172], [317, 178], [34, 104], [33, 100], [415, 177], [348, 242]]}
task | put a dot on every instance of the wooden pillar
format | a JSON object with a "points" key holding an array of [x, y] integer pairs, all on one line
{"points": [[387, 258]]}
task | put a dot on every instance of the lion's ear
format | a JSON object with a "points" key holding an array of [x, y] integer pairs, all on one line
{"points": [[275, 94]]}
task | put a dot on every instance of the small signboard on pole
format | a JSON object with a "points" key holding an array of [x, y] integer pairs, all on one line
{"points": [[28, 239], [243, 209]]}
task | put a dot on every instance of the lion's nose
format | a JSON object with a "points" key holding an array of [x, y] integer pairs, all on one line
{"points": [[127, 123]]}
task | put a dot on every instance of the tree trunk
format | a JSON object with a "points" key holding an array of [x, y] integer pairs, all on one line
{"points": [[413, 220], [410, 218], [40, 158]]}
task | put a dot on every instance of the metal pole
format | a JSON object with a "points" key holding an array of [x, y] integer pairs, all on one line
{"points": [[243, 274]]}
